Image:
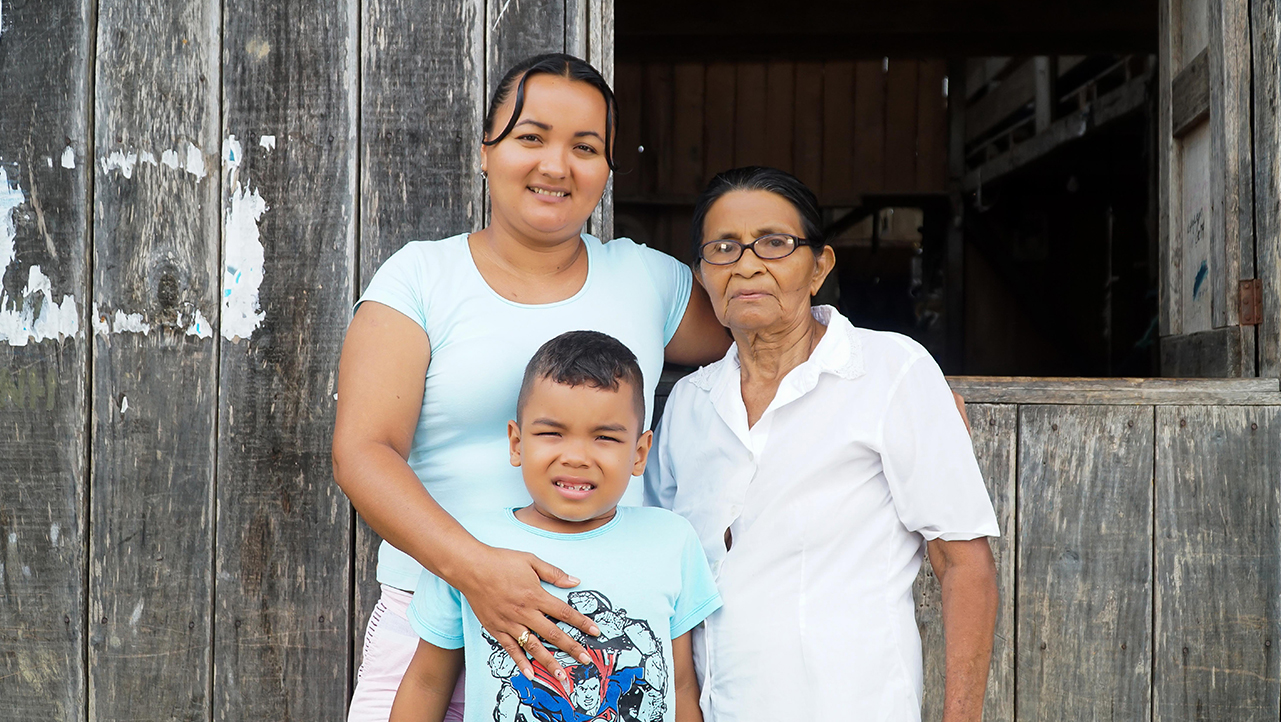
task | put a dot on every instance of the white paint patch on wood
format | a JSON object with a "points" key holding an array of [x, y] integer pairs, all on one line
{"points": [[130, 323], [124, 405], [68, 157], [243, 253], [35, 315], [137, 613], [200, 326], [55, 532], [169, 157], [121, 161], [48, 161], [146, 156], [268, 142], [195, 161]]}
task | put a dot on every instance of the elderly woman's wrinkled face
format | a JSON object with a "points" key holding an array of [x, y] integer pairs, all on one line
{"points": [[754, 294]]}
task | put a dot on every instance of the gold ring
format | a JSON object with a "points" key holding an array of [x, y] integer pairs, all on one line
{"points": [[522, 639]]}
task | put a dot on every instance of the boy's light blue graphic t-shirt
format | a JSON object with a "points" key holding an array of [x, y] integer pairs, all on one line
{"points": [[480, 343], [645, 582]]}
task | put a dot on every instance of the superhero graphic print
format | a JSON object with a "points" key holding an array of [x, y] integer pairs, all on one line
{"points": [[626, 681]]}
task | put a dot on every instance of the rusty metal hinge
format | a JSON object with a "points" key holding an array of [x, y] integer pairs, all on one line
{"points": [[1251, 301]]}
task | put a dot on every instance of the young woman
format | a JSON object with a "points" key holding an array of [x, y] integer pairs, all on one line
{"points": [[433, 358]]}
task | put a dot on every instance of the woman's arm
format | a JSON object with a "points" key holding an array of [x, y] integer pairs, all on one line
{"points": [[428, 684], [380, 390], [967, 574], [700, 338], [687, 709]]}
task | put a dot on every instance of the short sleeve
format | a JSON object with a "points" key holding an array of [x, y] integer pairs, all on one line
{"points": [[401, 283], [436, 612], [698, 596], [660, 482], [673, 281], [929, 462]]}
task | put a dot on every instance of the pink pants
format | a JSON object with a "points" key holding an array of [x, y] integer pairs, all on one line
{"points": [[389, 646]]}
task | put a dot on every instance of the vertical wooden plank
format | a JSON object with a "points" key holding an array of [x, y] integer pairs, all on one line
{"points": [[44, 164], [1266, 74], [749, 115], [1231, 184], [869, 127], [931, 128], [780, 114], [687, 134], [515, 31], [421, 109], [718, 119], [954, 279], [155, 289], [807, 143], [1047, 75], [422, 67], [900, 126], [995, 445], [281, 642], [838, 134], [1197, 232], [627, 180], [1218, 563], [1085, 558], [600, 53], [1169, 249], [657, 133]]}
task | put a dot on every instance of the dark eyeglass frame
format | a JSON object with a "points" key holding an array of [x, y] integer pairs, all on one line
{"points": [[797, 242]]}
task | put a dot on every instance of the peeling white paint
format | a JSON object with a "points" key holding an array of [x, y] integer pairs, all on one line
{"points": [[55, 531], [146, 157], [124, 405], [20, 326], [137, 613], [242, 275], [101, 326], [169, 157], [130, 323], [231, 155], [48, 161], [268, 142], [195, 161], [200, 326], [68, 157], [26, 571], [13, 537], [121, 161]]}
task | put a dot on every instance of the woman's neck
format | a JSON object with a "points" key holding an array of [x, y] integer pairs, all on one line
{"points": [[523, 257], [765, 357]]}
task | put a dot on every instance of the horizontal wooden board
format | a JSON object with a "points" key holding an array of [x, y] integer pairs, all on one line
{"points": [[1045, 390], [1190, 96]]}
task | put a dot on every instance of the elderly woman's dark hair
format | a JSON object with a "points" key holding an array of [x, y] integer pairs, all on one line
{"points": [[560, 65], [761, 178]]}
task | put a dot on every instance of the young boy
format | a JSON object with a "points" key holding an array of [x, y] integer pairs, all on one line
{"points": [[578, 440]]}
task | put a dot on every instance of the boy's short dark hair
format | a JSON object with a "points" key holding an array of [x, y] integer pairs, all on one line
{"points": [[591, 358]]}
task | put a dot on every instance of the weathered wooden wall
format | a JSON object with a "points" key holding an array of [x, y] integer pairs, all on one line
{"points": [[192, 194], [847, 128]]}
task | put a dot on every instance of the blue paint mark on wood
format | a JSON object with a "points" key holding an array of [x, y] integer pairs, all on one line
{"points": [[1201, 273]]}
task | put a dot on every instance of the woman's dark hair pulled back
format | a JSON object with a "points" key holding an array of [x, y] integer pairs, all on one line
{"points": [[560, 65], [761, 178]]}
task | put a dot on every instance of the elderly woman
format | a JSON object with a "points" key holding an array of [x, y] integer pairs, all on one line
{"points": [[817, 461]]}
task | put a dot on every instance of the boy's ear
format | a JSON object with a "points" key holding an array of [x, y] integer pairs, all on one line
{"points": [[513, 442], [643, 445]]}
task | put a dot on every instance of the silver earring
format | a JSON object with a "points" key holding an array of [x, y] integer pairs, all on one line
{"points": [[483, 174]]}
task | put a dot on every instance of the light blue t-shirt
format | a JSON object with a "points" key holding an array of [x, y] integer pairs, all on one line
{"points": [[480, 344], [645, 581]]}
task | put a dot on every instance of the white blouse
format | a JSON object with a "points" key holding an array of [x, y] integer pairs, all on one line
{"points": [[829, 498]]}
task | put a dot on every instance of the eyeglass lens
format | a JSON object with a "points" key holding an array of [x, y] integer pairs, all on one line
{"points": [[769, 247]]}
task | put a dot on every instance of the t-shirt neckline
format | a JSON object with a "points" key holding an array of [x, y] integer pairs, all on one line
{"points": [[577, 536], [585, 238]]}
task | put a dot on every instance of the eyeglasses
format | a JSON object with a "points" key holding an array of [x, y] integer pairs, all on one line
{"points": [[769, 248]]}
